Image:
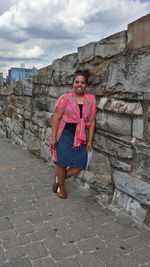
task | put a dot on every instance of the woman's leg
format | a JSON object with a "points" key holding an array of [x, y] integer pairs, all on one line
{"points": [[61, 175], [72, 171]]}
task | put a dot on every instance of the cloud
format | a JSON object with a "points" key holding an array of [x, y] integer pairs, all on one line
{"points": [[41, 31]]}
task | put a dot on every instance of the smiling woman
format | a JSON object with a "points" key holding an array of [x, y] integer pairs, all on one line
{"points": [[73, 122]]}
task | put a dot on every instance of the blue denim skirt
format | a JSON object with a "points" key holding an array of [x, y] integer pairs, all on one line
{"points": [[67, 156]]}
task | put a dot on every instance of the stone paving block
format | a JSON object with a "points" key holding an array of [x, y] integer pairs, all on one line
{"points": [[16, 242], [36, 250], [25, 228], [90, 260], [71, 262], [15, 253], [8, 234], [64, 252], [2, 256], [24, 262], [47, 262], [90, 244], [6, 212], [53, 242], [5, 224]]}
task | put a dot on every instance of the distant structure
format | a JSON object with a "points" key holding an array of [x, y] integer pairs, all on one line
{"points": [[20, 74], [1, 80]]}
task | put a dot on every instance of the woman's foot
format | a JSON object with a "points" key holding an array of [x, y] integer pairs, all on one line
{"points": [[55, 185], [61, 192]]}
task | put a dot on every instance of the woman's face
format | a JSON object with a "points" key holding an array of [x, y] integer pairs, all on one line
{"points": [[79, 84]]}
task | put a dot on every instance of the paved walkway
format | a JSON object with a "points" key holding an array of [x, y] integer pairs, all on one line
{"points": [[38, 229]]}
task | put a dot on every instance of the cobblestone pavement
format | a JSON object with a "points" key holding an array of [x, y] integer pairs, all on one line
{"points": [[38, 229]]}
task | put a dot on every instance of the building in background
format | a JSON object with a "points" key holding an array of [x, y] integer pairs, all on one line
{"points": [[20, 74], [1, 80]]}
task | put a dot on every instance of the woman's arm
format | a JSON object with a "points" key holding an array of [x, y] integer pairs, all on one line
{"points": [[55, 123], [90, 136]]}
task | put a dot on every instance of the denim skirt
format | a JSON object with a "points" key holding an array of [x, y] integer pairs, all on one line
{"points": [[67, 156]]}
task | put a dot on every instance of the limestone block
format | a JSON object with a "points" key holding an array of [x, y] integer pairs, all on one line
{"points": [[38, 131], [102, 103], [114, 146], [114, 123], [98, 72], [111, 45], [143, 160], [27, 115], [99, 171], [17, 128], [27, 103], [17, 101], [132, 186], [64, 69], [6, 91], [115, 163], [32, 142], [131, 205], [47, 136], [27, 87], [118, 106], [86, 52], [44, 76], [42, 103], [138, 32], [44, 151], [47, 118], [126, 73], [18, 89], [27, 124], [138, 128], [11, 111]]}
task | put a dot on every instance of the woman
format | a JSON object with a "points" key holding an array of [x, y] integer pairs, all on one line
{"points": [[72, 131]]}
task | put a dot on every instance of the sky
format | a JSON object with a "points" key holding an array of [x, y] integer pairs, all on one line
{"points": [[35, 32]]}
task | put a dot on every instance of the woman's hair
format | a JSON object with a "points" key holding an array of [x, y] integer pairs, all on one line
{"points": [[84, 73]]}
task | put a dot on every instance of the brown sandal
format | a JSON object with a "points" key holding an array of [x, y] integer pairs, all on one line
{"points": [[61, 192], [55, 185]]}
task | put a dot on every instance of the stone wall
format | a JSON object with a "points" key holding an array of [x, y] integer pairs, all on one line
{"points": [[120, 80]]}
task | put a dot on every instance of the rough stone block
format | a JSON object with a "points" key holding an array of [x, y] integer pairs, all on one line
{"points": [[138, 33], [126, 73], [131, 205], [143, 160], [98, 172], [64, 69], [102, 103], [111, 45], [32, 141], [86, 52], [114, 123], [115, 163], [27, 87], [36, 250], [116, 147], [138, 128], [132, 186], [44, 76], [124, 107]]}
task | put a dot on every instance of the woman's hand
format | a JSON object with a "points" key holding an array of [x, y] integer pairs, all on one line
{"points": [[89, 146], [53, 142]]}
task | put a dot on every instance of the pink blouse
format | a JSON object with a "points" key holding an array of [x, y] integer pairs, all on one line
{"points": [[68, 105]]}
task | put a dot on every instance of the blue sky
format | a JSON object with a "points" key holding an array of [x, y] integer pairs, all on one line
{"points": [[36, 32]]}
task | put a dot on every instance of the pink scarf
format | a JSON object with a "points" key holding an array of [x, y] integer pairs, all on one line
{"points": [[68, 105]]}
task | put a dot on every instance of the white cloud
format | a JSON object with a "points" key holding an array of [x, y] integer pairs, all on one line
{"points": [[44, 30]]}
